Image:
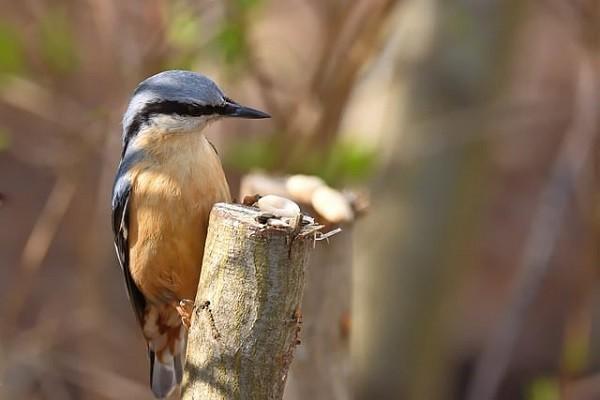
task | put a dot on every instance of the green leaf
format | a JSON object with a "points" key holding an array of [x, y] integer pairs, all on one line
{"points": [[184, 60], [246, 5], [11, 50], [245, 155], [346, 162], [231, 42], [544, 389], [576, 352], [349, 162], [4, 140], [183, 30], [58, 41]]}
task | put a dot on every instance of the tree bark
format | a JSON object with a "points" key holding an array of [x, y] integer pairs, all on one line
{"points": [[247, 311], [321, 369]]}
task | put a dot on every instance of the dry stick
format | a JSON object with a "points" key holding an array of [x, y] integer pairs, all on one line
{"points": [[545, 231], [37, 246], [245, 324], [358, 38]]}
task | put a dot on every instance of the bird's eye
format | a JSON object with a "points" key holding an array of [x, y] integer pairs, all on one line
{"points": [[228, 100]]}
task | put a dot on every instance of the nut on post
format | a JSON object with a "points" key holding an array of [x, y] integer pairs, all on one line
{"points": [[278, 206]]}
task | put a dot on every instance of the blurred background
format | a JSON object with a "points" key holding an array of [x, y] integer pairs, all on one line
{"points": [[472, 126]]}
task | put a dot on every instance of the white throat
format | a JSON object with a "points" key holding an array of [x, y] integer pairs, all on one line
{"points": [[173, 123]]}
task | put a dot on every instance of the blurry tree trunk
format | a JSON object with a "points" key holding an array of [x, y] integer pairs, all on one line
{"points": [[321, 369], [419, 239], [245, 326]]}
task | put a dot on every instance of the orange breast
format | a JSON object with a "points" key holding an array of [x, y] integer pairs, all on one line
{"points": [[173, 192]]}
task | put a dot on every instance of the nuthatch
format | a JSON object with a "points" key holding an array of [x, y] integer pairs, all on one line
{"points": [[167, 182]]}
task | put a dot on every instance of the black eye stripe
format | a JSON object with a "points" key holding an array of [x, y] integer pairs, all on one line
{"points": [[171, 108], [175, 107]]}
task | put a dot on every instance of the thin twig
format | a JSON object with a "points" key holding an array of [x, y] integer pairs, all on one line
{"points": [[356, 40], [325, 236], [29, 96], [37, 245]]}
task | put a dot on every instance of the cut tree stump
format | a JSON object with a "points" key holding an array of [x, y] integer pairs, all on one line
{"points": [[247, 318], [321, 368]]}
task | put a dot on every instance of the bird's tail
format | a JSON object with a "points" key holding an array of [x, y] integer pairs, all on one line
{"points": [[165, 375], [166, 338]]}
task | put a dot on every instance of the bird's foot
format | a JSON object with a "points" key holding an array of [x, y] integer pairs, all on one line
{"points": [[185, 308]]}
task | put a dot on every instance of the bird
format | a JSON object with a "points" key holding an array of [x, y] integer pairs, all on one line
{"points": [[167, 181]]}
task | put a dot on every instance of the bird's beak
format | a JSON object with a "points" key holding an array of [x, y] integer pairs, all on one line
{"points": [[236, 110]]}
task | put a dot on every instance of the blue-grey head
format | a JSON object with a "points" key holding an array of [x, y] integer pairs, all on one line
{"points": [[179, 101]]}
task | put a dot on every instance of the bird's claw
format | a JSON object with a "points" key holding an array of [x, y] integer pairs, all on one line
{"points": [[185, 308]]}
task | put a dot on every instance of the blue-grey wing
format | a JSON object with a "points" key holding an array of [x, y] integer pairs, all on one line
{"points": [[120, 222]]}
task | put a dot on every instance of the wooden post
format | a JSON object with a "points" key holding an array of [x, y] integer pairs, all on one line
{"points": [[321, 368], [247, 317]]}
